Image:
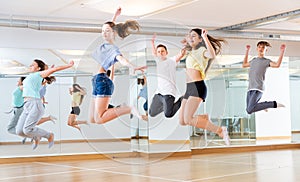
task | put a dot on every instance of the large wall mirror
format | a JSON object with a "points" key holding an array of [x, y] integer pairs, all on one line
{"points": [[227, 87]]}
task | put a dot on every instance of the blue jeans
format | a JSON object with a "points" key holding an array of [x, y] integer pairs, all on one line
{"points": [[102, 86], [253, 104]]}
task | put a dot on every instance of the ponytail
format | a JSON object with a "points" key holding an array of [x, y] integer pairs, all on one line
{"points": [[50, 79], [123, 29], [215, 42]]}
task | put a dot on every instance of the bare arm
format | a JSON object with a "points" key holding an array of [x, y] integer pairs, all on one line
{"points": [[278, 63], [246, 62], [153, 45], [117, 13], [82, 91], [180, 55], [125, 62], [49, 71], [210, 53], [145, 79]]}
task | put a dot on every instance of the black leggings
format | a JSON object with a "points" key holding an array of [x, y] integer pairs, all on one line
{"points": [[164, 103]]}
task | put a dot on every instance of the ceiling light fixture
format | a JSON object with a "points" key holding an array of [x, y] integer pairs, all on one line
{"points": [[135, 7]]}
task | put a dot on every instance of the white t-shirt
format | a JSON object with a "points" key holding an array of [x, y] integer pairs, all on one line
{"points": [[166, 76]]}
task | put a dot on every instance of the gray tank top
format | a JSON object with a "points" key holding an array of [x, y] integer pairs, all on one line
{"points": [[258, 67]]}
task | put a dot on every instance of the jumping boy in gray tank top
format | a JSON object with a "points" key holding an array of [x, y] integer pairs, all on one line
{"points": [[257, 71]]}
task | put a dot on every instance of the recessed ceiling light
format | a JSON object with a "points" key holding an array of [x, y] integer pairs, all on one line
{"points": [[134, 7], [74, 52]]}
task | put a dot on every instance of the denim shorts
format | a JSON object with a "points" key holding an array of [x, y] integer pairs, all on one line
{"points": [[102, 86]]}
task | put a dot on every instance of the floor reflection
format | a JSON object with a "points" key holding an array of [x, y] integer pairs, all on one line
{"points": [[25, 150], [213, 141], [137, 145]]}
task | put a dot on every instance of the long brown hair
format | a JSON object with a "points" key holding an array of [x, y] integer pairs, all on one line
{"points": [[41, 64], [50, 79], [123, 29], [215, 42]]}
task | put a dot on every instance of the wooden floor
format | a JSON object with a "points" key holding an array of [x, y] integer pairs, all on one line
{"points": [[264, 166]]}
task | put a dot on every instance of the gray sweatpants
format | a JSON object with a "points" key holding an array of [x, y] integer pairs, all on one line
{"points": [[11, 127], [32, 113], [253, 104]]}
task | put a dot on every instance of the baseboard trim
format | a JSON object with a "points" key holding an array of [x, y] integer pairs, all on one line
{"points": [[245, 148], [169, 142], [274, 137], [68, 157], [74, 141]]}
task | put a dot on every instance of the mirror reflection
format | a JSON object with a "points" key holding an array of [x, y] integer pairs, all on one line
{"points": [[227, 86]]}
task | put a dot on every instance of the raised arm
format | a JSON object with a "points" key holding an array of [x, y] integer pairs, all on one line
{"points": [[49, 71], [180, 55], [278, 63], [210, 53], [246, 62], [145, 79], [153, 45], [117, 13], [81, 90]]}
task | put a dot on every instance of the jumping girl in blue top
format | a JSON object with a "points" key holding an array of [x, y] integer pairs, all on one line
{"points": [[107, 54], [33, 106]]}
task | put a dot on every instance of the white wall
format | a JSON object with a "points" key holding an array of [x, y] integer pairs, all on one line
{"points": [[160, 127], [275, 122], [295, 104]]}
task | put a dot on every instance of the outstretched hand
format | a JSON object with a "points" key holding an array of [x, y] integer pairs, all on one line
{"points": [[118, 11], [282, 47], [182, 51], [71, 63], [184, 41], [153, 37], [204, 32], [141, 68], [248, 47]]}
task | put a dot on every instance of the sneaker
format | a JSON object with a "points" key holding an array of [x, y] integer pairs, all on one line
{"points": [[52, 118], [24, 140], [51, 140], [280, 105], [135, 112], [36, 142], [225, 136]]}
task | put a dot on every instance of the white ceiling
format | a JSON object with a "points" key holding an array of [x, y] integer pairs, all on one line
{"points": [[212, 14]]}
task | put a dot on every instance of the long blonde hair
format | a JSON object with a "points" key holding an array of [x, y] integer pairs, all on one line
{"points": [[123, 29]]}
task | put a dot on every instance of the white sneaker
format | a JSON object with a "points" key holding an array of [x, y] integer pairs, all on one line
{"points": [[225, 135], [135, 112], [52, 118], [280, 105]]}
